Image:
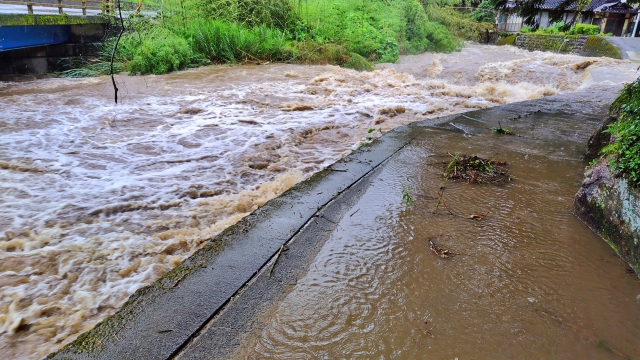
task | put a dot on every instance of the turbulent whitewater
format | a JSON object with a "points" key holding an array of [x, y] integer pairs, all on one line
{"points": [[99, 199]]}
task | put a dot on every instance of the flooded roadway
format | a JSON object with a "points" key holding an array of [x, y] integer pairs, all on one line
{"points": [[99, 200], [529, 281]]}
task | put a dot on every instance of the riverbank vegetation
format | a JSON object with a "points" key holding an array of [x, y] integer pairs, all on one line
{"points": [[350, 33], [624, 150]]}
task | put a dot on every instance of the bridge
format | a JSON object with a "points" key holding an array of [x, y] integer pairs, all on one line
{"points": [[39, 36]]}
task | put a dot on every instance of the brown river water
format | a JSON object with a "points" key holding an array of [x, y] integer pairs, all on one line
{"points": [[100, 199], [530, 281]]}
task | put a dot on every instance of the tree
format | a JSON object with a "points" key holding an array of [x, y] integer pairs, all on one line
{"points": [[484, 13]]}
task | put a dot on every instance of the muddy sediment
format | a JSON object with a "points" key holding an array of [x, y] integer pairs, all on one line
{"points": [[99, 200]]}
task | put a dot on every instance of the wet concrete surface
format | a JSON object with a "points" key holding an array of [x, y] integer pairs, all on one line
{"points": [[204, 307], [629, 47]]}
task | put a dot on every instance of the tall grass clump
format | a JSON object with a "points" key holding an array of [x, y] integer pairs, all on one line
{"points": [[460, 26], [277, 14], [224, 42], [160, 51]]}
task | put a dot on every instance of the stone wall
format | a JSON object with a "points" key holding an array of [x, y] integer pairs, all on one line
{"points": [[555, 43], [566, 44]]}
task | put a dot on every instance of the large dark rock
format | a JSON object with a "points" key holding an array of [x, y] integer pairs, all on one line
{"points": [[611, 208]]}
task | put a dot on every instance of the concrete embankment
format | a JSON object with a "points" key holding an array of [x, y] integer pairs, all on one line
{"points": [[203, 307]]}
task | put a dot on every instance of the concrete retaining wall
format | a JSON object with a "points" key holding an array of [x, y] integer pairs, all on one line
{"points": [[565, 44]]}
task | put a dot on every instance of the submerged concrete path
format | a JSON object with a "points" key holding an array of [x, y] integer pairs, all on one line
{"points": [[202, 308]]}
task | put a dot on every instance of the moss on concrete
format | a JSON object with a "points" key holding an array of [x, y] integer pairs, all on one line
{"points": [[357, 62], [599, 46], [509, 40], [23, 19]]}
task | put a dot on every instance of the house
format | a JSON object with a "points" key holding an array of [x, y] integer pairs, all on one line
{"points": [[612, 16]]}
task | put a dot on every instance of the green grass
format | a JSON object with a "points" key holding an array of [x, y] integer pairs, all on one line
{"points": [[350, 33], [223, 42], [625, 149]]}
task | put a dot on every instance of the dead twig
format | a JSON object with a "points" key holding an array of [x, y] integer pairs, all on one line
{"points": [[276, 260], [441, 201], [445, 254], [478, 216]]}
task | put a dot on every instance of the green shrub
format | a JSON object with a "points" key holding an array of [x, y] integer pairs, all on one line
{"points": [[357, 62], [525, 30], [625, 149], [584, 29], [416, 27], [484, 13], [160, 52], [439, 38]]}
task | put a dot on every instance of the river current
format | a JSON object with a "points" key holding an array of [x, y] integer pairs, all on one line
{"points": [[100, 199]]}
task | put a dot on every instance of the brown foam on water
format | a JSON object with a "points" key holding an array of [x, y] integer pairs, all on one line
{"points": [[53, 292]]}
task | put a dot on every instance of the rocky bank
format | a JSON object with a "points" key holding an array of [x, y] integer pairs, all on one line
{"points": [[608, 205]]}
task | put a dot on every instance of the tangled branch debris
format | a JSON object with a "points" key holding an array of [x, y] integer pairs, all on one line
{"points": [[475, 170], [502, 131]]}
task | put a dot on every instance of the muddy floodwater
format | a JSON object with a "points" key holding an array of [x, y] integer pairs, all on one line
{"points": [[100, 199], [528, 281]]}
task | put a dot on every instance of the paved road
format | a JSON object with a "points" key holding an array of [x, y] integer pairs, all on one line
{"points": [[629, 47]]}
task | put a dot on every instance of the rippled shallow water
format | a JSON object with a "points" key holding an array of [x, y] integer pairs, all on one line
{"points": [[530, 281], [100, 199]]}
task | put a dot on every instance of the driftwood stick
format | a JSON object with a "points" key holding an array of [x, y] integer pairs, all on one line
{"points": [[113, 54], [276, 260]]}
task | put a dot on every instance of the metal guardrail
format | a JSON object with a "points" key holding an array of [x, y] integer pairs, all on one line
{"points": [[106, 7]]}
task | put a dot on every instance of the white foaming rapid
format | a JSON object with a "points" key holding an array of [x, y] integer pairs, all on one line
{"points": [[100, 199]]}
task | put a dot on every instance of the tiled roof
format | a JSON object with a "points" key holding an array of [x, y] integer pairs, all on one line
{"points": [[595, 5]]}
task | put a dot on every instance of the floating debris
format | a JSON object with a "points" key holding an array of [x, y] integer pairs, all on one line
{"points": [[475, 170], [503, 131], [445, 254]]}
